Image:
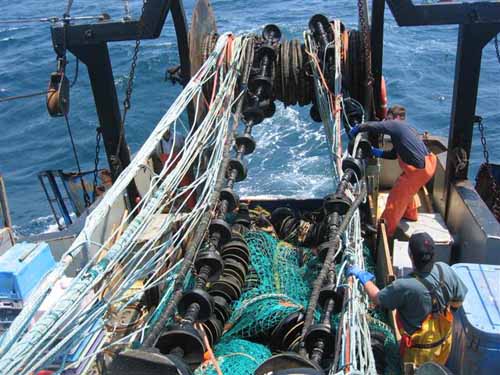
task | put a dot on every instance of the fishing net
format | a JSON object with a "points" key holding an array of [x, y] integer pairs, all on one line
{"points": [[388, 354], [236, 357], [278, 285]]}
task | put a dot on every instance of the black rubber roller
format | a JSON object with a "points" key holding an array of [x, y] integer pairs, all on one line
{"points": [[240, 167], [247, 141], [338, 203], [213, 329], [222, 228], [184, 342], [268, 107], [202, 298], [147, 361], [227, 287], [236, 269], [237, 248], [319, 19], [280, 214], [314, 113], [323, 250], [284, 362], [212, 259], [320, 332], [283, 329], [271, 33], [230, 196], [356, 166], [253, 112], [222, 310]]}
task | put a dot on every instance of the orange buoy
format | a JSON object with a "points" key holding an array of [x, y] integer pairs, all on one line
{"points": [[382, 109]]}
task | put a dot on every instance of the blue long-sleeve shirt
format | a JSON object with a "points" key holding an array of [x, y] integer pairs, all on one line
{"points": [[407, 143]]}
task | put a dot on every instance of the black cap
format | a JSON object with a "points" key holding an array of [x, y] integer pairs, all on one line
{"points": [[422, 251]]}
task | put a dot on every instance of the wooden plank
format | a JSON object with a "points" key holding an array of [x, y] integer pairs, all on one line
{"points": [[384, 270]]}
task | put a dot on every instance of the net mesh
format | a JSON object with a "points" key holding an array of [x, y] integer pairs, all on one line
{"points": [[236, 356], [279, 283]]}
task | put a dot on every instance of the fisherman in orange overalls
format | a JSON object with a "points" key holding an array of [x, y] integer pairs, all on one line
{"points": [[422, 301], [417, 163]]}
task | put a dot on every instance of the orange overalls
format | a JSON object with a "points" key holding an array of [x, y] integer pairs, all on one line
{"points": [[401, 201]]}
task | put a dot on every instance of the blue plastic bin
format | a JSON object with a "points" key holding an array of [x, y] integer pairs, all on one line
{"points": [[476, 329], [22, 267]]}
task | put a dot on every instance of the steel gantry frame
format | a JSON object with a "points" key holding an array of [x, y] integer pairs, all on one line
{"points": [[478, 24], [89, 43]]}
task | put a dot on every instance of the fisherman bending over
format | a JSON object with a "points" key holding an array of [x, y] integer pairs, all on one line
{"points": [[422, 300], [417, 163]]}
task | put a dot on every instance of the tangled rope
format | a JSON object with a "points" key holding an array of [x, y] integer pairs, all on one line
{"points": [[108, 280]]}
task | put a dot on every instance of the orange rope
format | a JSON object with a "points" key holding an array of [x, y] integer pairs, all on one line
{"points": [[211, 355]]}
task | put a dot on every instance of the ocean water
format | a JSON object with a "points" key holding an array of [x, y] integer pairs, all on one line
{"points": [[291, 157]]}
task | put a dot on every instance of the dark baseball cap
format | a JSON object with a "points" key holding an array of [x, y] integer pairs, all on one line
{"points": [[422, 250]]}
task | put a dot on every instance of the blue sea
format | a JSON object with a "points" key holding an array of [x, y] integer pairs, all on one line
{"points": [[291, 157]]}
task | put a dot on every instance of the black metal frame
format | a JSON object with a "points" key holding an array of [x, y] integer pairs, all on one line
{"points": [[89, 44], [478, 24]]}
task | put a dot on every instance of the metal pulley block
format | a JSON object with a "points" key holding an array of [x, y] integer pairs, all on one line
{"points": [[58, 95]]}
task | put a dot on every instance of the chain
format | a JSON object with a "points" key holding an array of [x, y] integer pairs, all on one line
{"points": [[86, 197], [364, 28], [130, 83], [497, 49], [486, 154], [98, 136], [496, 201]]}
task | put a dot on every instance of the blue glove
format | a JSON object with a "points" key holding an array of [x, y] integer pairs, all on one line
{"points": [[363, 276], [354, 131], [377, 152]]}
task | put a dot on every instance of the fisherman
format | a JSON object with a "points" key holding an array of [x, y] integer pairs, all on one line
{"points": [[417, 163], [422, 302]]}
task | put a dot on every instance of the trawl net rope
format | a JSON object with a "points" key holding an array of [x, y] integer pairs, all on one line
{"points": [[107, 280]]}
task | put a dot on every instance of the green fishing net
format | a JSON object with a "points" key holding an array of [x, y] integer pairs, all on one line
{"points": [[235, 357], [279, 283]]}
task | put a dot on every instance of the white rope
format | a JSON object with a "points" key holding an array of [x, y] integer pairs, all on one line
{"points": [[82, 308], [353, 332]]}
